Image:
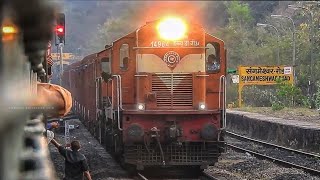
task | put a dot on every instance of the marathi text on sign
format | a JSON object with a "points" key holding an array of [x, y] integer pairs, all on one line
{"points": [[65, 56], [186, 43], [259, 70], [264, 75]]}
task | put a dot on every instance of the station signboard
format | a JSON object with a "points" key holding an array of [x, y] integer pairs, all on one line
{"points": [[263, 75], [65, 56]]}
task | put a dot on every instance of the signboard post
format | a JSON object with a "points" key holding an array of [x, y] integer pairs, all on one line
{"points": [[262, 75], [61, 62], [66, 133]]}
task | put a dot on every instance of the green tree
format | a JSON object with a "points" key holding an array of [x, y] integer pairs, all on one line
{"points": [[239, 14]]}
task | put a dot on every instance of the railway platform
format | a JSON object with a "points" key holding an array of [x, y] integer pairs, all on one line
{"points": [[290, 133]]}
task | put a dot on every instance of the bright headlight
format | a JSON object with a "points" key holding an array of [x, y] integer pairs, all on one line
{"points": [[141, 106], [172, 29], [202, 106], [9, 30]]}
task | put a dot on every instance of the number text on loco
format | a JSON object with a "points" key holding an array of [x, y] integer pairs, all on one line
{"points": [[186, 43]]}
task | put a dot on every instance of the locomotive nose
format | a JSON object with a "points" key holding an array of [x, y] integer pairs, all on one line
{"points": [[209, 132], [135, 133]]}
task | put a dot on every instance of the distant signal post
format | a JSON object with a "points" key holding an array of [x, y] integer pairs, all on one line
{"points": [[60, 31], [263, 75]]}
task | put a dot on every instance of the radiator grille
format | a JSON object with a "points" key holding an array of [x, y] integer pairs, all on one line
{"points": [[173, 89]]}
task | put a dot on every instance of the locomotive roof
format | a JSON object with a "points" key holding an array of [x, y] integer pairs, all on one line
{"points": [[92, 57], [85, 60], [107, 47], [89, 59], [133, 32]]}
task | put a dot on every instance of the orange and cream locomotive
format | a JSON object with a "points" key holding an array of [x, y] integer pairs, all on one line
{"points": [[155, 97]]}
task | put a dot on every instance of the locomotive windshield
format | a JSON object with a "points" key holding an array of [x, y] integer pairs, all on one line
{"points": [[105, 65], [212, 59], [124, 56]]}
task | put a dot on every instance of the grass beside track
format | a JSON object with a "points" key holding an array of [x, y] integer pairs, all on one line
{"points": [[305, 114]]}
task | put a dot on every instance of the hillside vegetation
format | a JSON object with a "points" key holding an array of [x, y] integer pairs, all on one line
{"points": [[92, 25]]}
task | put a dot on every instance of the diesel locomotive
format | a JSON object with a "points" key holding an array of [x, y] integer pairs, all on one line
{"points": [[155, 97]]}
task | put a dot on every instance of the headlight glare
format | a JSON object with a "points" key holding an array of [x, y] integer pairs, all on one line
{"points": [[202, 106], [141, 106]]}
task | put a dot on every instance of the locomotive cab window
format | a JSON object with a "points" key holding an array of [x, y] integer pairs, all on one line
{"points": [[105, 65], [124, 57], [212, 58]]}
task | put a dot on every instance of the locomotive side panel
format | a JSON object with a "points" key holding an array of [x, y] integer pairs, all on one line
{"points": [[92, 91], [124, 64], [104, 65], [216, 69]]}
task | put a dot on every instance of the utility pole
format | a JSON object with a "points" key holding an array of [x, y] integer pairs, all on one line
{"points": [[293, 43], [60, 32], [311, 81], [61, 62], [278, 39]]}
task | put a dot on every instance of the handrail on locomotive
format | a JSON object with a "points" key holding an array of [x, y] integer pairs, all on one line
{"points": [[119, 98], [222, 89]]}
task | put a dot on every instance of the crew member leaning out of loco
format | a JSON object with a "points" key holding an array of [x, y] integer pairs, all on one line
{"points": [[213, 63], [50, 95]]}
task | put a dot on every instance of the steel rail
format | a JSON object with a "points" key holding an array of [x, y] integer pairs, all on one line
{"points": [[279, 161], [142, 176], [205, 175], [272, 145]]}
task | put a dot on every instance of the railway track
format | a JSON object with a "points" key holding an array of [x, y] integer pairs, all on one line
{"points": [[313, 157], [203, 176], [141, 176], [206, 176]]}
